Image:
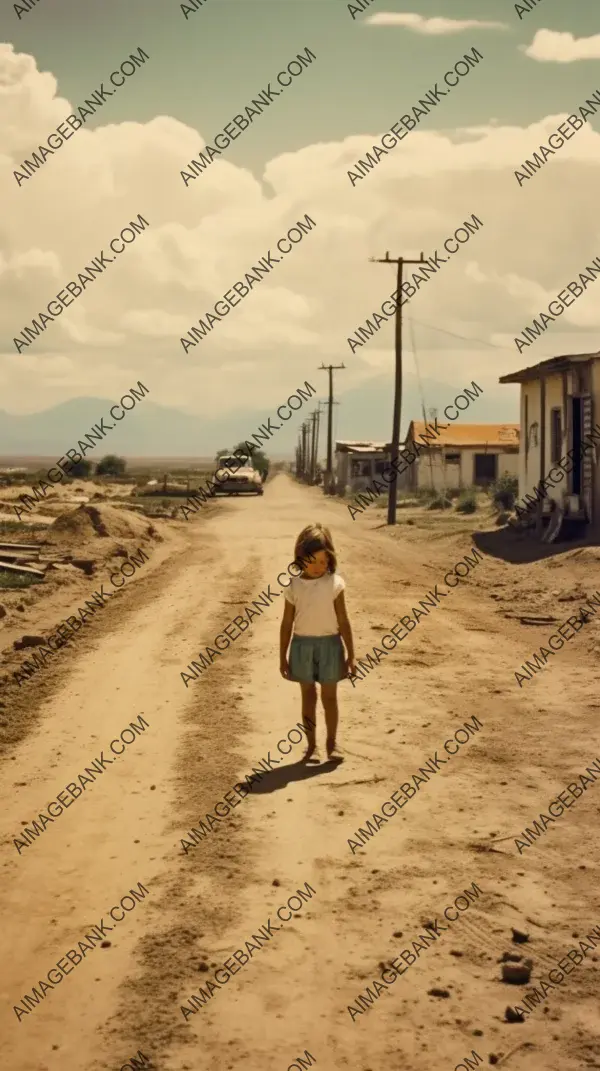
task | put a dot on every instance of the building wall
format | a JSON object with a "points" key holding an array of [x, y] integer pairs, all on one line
{"points": [[530, 472], [368, 464], [554, 400], [529, 452], [431, 467], [342, 469]]}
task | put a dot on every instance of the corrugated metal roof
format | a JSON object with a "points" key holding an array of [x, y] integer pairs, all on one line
{"points": [[468, 434], [360, 446], [548, 367]]}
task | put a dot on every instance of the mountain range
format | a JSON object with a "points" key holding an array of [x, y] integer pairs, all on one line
{"points": [[152, 430]]}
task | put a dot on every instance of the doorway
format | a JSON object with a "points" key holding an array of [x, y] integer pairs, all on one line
{"points": [[485, 468], [576, 430]]}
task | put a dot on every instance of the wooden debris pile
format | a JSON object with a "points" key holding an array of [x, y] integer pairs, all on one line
{"points": [[32, 559]]}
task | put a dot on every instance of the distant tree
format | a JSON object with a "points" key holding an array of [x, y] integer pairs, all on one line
{"points": [[81, 470], [259, 459], [111, 465], [222, 453], [261, 462]]}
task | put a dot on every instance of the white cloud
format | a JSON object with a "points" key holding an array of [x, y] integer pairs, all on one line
{"points": [[551, 46], [430, 26], [203, 239]]}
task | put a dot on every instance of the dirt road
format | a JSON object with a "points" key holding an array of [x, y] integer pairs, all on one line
{"points": [[367, 906]]}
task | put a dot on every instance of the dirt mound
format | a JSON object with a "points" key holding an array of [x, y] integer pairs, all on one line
{"points": [[89, 523]]}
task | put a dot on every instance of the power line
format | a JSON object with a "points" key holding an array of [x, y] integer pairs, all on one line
{"points": [[464, 338]]}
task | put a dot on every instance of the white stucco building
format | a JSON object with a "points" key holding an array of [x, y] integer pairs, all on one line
{"points": [[560, 403], [461, 456]]}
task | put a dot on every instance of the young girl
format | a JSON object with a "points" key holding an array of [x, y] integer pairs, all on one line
{"points": [[315, 611]]}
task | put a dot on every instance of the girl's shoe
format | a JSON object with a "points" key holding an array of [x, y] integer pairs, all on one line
{"points": [[334, 754], [311, 755]]}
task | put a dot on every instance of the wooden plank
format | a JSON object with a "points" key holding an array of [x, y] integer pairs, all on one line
{"points": [[587, 465], [20, 546], [10, 554], [20, 569]]}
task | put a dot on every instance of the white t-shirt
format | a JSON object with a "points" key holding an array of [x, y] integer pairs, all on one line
{"points": [[313, 599]]}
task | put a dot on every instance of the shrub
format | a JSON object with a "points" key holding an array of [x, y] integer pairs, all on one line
{"points": [[504, 491], [81, 470], [10, 581], [467, 502], [111, 465], [439, 501]]}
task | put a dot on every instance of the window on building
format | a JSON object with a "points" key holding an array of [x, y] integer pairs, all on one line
{"points": [[453, 459], [555, 435], [360, 468], [379, 467]]}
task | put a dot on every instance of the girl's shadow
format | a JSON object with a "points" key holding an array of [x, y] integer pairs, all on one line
{"points": [[276, 779]]}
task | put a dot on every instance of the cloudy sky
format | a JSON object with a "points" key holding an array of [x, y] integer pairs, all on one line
{"points": [[293, 160]]}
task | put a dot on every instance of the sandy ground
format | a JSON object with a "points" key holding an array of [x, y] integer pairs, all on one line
{"points": [[293, 994]]}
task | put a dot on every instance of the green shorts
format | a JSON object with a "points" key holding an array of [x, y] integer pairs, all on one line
{"points": [[317, 658]]}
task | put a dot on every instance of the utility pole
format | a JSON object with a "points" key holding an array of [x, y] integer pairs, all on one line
{"points": [[301, 471], [316, 419], [305, 453], [400, 261], [313, 445], [317, 439], [328, 487], [433, 416]]}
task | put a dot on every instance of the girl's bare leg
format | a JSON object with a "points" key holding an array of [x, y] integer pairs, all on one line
{"points": [[309, 715], [330, 706]]}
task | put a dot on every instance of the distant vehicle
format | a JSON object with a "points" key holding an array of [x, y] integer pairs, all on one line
{"points": [[246, 480]]}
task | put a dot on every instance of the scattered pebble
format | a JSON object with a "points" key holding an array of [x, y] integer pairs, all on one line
{"points": [[512, 1016], [519, 937], [517, 973]]}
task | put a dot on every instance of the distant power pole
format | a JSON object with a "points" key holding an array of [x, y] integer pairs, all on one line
{"points": [[317, 438], [313, 445], [329, 473], [305, 451], [400, 261]]}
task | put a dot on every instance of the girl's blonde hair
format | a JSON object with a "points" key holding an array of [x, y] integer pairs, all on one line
{"points": [[313, 538]]}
